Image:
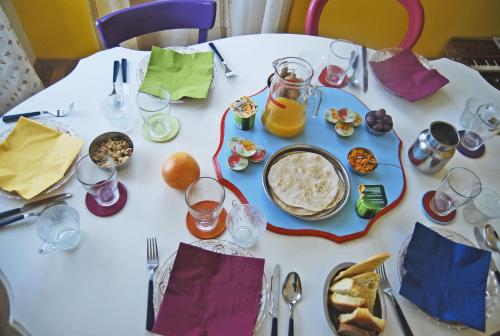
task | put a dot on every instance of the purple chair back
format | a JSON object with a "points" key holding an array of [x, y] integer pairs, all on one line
{"points": [[413, 8], [149, 17]]}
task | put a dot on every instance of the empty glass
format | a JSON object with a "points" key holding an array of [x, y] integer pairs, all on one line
{"points": [[483, 125], [59, 228], [118, 111], [154, 105], [245, 223], [459, 186], [100, 181], [484, 207], [341, 57], [204, 198]]}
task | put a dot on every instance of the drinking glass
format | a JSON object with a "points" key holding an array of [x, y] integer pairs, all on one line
{"points": [[484, 124], [118, 111], [341, 57], [204, 198], [459, 186], [154, 105], [100, 180], [246, 224], [484, 207], [59, 228]]}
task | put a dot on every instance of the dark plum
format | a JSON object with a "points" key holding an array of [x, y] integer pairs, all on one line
{"points": [[370, 119], [380, 113]]}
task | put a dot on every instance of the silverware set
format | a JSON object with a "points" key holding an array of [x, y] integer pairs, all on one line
{"points": [[386, 288], [152, 262], [292, 293]]}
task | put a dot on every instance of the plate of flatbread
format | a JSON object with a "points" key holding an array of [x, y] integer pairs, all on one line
{"points": [[306, 181]]}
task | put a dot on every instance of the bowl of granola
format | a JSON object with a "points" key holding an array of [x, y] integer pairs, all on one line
{"points": [[117, 145]]}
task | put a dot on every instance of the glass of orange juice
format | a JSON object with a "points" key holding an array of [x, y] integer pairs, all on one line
{"points": [[285, 113]]}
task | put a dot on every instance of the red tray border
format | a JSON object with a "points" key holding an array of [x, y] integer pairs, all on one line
{"points": [[308, 232]]}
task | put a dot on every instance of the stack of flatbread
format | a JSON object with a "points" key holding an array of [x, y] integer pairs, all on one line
{"points": [[305, 184], [353, 296]]}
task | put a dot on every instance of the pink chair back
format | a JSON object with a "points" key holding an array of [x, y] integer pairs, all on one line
{"points": [[413, 8]]}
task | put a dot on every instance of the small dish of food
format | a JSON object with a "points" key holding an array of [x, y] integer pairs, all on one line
{"points": [[353, 302], [378, 122], [362, 160], [117, 145]]}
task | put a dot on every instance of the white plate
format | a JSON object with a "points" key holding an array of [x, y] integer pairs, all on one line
{"points": [[214, 245], [491, 288], [142, 68], [57, 124]]}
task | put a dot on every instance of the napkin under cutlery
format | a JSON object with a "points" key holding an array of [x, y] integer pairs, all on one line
{"points": [[210, 293], [446, 279], [404, 75], [182, 75]]}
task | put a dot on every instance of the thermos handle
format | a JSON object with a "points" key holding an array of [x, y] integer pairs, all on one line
{"points": [[317, 96]]}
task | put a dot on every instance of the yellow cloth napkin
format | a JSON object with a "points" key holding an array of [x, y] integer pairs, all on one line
{"points": [[34, 157]]}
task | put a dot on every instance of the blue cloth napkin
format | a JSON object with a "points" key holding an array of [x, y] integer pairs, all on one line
{"points": [[446, 279]]}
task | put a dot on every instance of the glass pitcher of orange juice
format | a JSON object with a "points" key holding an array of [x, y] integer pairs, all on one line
{"points": [[285, 114]]}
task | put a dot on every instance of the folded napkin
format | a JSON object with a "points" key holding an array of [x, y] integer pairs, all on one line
{"points": [[182, 75], [210, 294], [405, 76], [446, 279], [33, 157]]}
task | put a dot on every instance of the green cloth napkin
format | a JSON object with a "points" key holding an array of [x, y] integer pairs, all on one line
{"points": [[182, 75]]}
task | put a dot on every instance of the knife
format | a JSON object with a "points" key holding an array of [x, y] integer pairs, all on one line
{"points": [[125, 87], [365, 69], [482, 245], [275, 299], [34, 204]]}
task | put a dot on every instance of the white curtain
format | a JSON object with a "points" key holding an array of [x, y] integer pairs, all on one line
{"points": [[234, 17]]}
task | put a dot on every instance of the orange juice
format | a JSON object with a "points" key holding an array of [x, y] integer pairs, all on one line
{"points": [[284, 117]]}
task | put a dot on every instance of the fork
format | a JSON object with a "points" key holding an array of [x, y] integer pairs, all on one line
{"points": [[56, 113], [386, 287], [116, 68], [152, 264], [227, 70]]}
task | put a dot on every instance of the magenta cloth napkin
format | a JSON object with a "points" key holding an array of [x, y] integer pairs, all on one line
{"points": [[210, 294], [446, 279], [405, 76]]}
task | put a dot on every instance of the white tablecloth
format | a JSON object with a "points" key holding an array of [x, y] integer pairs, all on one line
{"points": [[100, 288]]}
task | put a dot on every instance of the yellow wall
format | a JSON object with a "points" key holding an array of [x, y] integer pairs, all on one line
{"points": [[60, 29], [64, 28], [382, 23]]}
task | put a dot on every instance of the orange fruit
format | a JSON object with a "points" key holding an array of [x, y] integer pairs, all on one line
{"points": [[180, 170]]}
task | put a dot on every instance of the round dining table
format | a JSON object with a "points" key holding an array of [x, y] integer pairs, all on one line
{"points": [[100, 287]]}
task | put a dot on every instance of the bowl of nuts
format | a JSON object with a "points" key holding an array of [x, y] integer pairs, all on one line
{"points": [[114, 144]]}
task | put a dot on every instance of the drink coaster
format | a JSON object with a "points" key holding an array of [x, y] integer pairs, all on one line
{"points": [[215, 232], [322, 79], [471, 154], [104, 211], [174, 130], [426, 199]]}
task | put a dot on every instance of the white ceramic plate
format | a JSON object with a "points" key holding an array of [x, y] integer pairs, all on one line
{"points": [[214, 245], [57, 124], [491, 288]]}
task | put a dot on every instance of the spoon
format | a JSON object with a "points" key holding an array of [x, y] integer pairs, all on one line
{"points": [[491, 238], [292, 292], [376, 162]]}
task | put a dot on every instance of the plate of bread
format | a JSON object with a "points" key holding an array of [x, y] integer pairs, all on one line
{"points": [[352, 299]]}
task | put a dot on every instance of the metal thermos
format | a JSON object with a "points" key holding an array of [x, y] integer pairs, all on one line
{"points": [[434, 147]]}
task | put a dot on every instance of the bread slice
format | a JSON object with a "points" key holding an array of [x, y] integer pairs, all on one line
{"points": [[352, 330], [349, 287], [362, 317], [346, 303], [369, 281], [368, 265]]}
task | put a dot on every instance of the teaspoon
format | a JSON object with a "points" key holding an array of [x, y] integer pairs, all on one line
{"points": [[352, 78], [491, 238], [292, 292]]}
